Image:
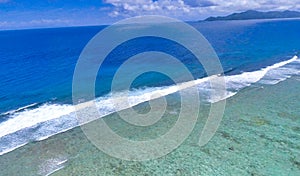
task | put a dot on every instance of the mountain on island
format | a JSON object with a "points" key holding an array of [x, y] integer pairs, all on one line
{"points": [[253, 14]]}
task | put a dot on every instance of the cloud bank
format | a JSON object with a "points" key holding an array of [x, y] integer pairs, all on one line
{"points": [[195, 9], [52, 13]]}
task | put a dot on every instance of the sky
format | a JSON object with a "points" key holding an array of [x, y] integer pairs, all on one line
{"points": [[23, 14]]}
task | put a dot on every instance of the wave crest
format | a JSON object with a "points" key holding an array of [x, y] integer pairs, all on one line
{"points": [[26, 124]]}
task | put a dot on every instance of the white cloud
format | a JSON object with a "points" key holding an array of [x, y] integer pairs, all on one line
{"points": [[34, 23], [4, 1], [148, 7], [118, 9], [47, 21], [195, 9], [3, 23], [239, 5]]}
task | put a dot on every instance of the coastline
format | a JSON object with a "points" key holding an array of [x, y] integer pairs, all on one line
{"points": [[65, 119], [258, 135]]}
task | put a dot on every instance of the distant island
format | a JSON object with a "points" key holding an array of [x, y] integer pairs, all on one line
{"points": [[253, 14]]}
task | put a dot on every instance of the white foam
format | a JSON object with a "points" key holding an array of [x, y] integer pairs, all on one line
{"points": [[125, 99], [55, 118], [61, 131], [51, 165], [29, 118], [11, 149], [55, 170], [280, 74], [19, 109], [237, 82]]}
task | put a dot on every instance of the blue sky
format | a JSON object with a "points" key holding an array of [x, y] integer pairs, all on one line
{"points": [[16, 14]]}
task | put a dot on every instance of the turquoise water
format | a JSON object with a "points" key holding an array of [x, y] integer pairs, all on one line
{"points": [[258, 135], [36, 69]]}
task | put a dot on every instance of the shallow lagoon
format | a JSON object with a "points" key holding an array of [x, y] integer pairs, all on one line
{"points": [[259, 135]]}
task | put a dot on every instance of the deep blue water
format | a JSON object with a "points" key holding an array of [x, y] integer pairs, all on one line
{"points": [[36, 66]]}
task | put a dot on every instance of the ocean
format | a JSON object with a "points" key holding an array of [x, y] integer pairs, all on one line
{"points": [[39, 128]]}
